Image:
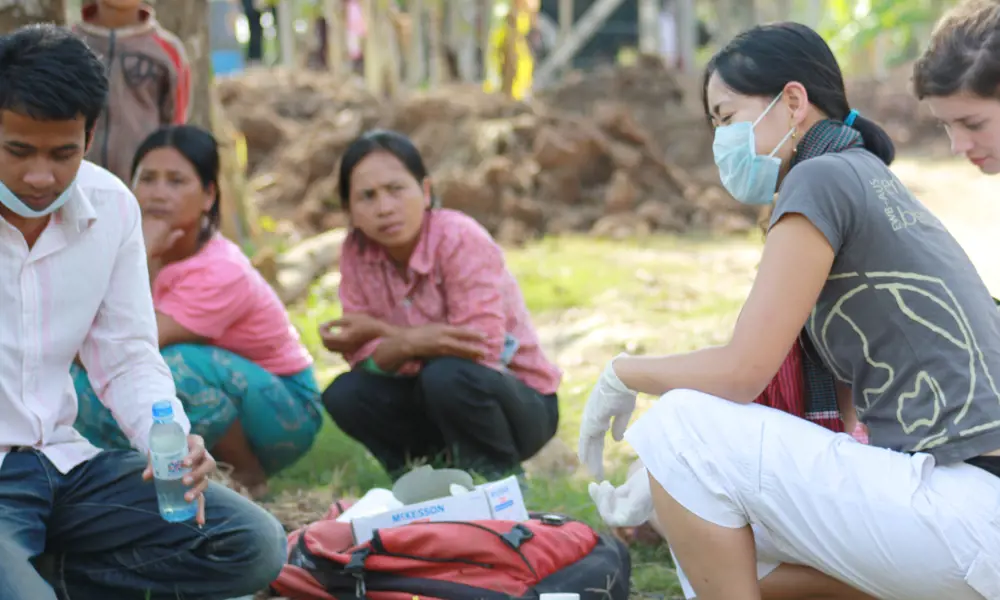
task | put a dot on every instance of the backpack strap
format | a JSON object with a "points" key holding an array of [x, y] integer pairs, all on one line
{"points": [[327, 571], [355, 567]]}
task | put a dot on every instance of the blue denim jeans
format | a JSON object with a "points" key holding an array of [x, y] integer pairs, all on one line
{"points": [[102, 536]]}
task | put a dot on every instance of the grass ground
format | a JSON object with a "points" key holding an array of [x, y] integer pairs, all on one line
{"points": [[590, 300]]}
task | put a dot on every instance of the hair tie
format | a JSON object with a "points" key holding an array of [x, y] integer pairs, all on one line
{"points": [[849, 120]]}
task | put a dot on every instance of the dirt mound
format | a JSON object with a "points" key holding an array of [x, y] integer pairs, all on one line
{"points": [[666, 104], [567, 161]]}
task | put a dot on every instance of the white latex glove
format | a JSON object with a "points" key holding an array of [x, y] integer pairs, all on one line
{"points": [[630, 505], [609, 406]]}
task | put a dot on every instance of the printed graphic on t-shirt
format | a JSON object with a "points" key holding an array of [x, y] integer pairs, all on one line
{"points": [[890, 192], [141, 70], [927, 303]]}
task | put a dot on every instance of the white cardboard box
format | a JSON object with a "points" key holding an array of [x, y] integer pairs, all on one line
{"points": [[495, 500], [506, 500]]}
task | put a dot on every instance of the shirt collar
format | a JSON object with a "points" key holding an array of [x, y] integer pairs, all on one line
{"points": [[78, 212], [147, 19], [422, 259]]}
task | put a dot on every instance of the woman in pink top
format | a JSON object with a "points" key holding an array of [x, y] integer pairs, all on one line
{"points": [[445, 362], [244, 377]]}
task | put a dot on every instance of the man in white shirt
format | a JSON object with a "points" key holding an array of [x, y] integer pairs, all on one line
{"points": [[74, 280]]}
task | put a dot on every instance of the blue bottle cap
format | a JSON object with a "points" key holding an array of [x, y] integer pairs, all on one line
{"points": [[163, 409]]}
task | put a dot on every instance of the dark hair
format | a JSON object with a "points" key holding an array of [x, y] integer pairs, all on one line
{"points": [[49, 74], [379, 140], [199, 148], [963, 54], [763, 60]]}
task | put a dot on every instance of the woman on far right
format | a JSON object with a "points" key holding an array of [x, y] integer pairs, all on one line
{"points": [[759, 504], [958, 76]]}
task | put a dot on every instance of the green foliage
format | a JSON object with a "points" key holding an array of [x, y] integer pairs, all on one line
{"points": [[851, 26]]}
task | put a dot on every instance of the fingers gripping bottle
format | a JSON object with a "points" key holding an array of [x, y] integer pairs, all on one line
{"points": [[168, 449]]}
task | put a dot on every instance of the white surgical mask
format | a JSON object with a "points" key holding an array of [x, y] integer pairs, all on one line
{"points": [[19, 208], [751, 178]]}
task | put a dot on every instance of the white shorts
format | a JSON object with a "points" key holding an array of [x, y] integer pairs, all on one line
{"points": [[889, 524]]}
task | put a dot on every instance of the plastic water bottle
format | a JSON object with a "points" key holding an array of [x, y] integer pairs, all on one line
{"points": [[168, 448]]}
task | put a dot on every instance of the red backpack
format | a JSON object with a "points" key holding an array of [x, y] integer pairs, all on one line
{"points": [[475, 560]]}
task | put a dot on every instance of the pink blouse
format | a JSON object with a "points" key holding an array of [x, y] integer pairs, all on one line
{"points": [[456, 275], [217, 294]]}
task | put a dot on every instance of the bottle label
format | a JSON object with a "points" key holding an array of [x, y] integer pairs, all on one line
{"points": [[169, 465]]}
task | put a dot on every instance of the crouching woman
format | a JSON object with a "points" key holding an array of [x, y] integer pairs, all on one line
{"points": [[445, 362], [244, 377]]}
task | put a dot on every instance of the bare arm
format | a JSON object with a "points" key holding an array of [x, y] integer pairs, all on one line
{"points": [[171, 332], [794, 267], [393, 352]]}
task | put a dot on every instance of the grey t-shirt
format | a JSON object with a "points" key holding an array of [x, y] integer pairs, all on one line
{"points": [[904, 317]]}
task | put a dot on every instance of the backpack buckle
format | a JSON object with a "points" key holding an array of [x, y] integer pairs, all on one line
{"points": [[517, 536], [356, 565]]}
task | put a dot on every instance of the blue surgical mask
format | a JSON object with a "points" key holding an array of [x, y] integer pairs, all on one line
{"points": [[19, 208], [748, 176]]}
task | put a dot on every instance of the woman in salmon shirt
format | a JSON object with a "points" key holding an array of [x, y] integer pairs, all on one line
{"points": [[445, 363], [245, 379]]}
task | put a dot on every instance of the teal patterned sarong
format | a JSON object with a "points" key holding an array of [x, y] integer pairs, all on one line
{"points": [[280, 415]]}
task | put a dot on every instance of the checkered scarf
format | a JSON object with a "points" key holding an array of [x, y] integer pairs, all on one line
{"points": [[803, 386]]}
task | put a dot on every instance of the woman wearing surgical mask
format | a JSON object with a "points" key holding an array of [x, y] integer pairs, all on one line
{"points": [[959, 76], [757, 503]]}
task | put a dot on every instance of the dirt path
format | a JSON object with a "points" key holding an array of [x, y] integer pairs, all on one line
{"points": [[966, 201]]}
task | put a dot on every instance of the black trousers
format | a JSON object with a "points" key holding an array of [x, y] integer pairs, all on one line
{"points": [[478, 419]]}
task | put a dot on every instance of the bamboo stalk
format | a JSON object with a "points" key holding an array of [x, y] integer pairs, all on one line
{"points": [[336, 34]]}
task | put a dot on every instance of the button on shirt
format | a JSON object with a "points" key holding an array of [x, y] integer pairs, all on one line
{"points": [[83, 288]]}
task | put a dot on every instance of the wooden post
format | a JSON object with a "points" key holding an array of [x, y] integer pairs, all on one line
{"points": [[487, 8], [508, 70], [17, 13], [391, 65], [189, 20], [565, 19], [649, 26], [435, 42], [336, 30], [416, 66], [465, 38], [286, 32], [585, 28], [687, 34], [373, 48]]}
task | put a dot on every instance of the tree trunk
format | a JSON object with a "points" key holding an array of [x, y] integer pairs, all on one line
{"points": [[189, 20], [16, 13]]}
